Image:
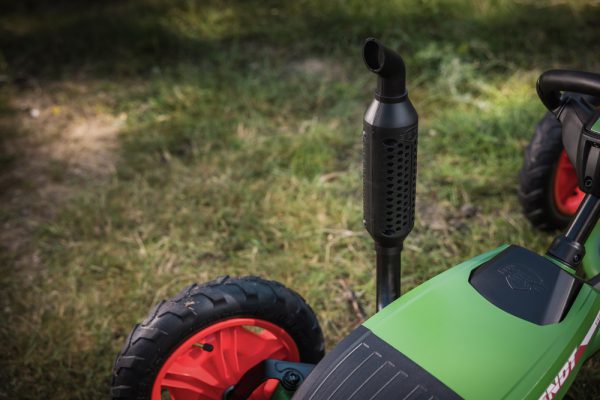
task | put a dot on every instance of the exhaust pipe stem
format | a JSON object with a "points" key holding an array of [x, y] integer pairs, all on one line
{"points": [[389, 166]]}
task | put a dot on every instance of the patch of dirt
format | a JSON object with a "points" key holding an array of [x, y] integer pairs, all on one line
{"points": [[60, 138], [443, 216], [88, 145], [318, 67]]}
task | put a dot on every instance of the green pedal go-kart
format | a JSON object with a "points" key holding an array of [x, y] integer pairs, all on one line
{"points": [[508, 324]]}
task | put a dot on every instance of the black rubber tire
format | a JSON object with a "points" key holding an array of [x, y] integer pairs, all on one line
{"points": [[536, 179], [172, 321]]}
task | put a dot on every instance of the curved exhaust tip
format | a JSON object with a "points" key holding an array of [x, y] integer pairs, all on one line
{"points": [[373, 55], [389, 66]]}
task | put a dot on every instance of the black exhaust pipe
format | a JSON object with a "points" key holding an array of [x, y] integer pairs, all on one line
{"points": [[389, 166]]}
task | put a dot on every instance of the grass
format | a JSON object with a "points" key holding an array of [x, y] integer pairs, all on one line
{"points": [[241, 155]]}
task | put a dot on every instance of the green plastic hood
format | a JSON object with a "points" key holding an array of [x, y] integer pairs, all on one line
{"points": [[480, 351]]}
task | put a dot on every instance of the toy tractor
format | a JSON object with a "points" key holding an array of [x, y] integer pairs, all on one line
{"points": [[507, 324]]}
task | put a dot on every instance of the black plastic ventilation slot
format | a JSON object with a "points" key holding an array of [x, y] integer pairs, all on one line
{"points": [[400, 178]]}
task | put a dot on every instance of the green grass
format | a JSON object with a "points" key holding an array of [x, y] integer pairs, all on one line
{"points": [[241, 155]]}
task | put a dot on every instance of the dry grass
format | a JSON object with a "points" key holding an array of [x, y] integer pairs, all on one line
{"points": [[176, 142]]}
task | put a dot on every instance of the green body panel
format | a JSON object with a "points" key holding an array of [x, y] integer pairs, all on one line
{"points": [[596, 126], [591, 266], [477, 349], [591, 261], [281, 394]]}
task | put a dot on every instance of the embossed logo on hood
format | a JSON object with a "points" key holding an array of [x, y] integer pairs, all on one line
{"points": [[520, 277]]}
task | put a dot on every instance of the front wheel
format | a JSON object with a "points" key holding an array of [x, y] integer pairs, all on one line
{"points": [[199, 343]]}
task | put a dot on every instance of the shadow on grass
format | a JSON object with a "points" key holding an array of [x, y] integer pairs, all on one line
{"points": [[126, 38]]}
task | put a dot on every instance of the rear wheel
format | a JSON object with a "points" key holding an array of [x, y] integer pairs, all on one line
{"points": [[567, 195], [548, 190], [196, 345]]}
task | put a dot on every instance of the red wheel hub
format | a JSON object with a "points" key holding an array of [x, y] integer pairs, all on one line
{"points": [[215, 358], [567, 194]]}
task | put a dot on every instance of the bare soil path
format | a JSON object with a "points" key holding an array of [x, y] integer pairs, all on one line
{"points": [[59, 139]]}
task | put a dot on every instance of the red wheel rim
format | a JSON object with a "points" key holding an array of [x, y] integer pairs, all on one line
{"points": [[192, 373], [567, 194]]}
